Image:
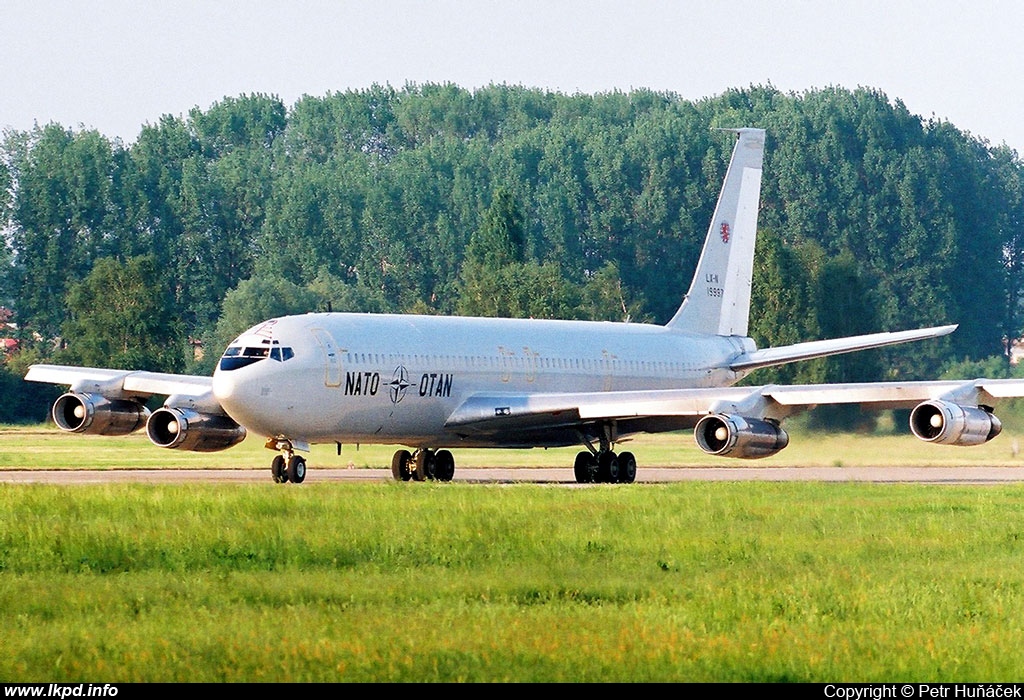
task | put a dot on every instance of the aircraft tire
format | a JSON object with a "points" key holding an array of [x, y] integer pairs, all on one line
{"points": [[608, 468], [279, 470], [424, 465], [627, 468], [400, 465], [444, 465], [583, 468], [296, 469]]}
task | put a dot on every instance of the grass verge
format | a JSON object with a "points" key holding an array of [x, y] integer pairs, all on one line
{"points": [[460, 582], [45, 447]]}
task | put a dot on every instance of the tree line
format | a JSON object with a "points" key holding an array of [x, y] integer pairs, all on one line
{"points": [[505, 201]]}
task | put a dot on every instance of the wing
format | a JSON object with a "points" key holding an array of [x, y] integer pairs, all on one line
{"points": [[123, 383], [945, 412], [111, 402]]}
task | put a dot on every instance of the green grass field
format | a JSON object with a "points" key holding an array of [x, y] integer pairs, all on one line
{"points": [[45, 447], [485, 582], [461, 582]]}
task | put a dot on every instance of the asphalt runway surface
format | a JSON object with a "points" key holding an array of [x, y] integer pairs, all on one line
{"points": [[915, 475]]}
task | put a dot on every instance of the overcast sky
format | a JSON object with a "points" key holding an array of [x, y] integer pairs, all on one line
{"points": [[114, 66]]}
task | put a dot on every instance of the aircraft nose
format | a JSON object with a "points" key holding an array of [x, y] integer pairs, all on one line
{"points": [[225, 387]]}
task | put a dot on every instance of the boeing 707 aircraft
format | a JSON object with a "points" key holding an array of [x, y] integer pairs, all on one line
{"points": [[430, 384]]}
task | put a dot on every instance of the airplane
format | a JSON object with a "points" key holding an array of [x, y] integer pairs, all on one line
{"points": [[430, 384]]}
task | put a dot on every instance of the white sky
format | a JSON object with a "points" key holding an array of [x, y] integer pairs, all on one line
{"points": [[115, 65]]}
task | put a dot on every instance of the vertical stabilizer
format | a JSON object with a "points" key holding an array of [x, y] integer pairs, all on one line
{"points": [[718, 302]]}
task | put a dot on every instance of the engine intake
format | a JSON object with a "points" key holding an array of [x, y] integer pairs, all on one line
{"points": [[97, 415], [947, 423], [737, 436], [185, 429]]}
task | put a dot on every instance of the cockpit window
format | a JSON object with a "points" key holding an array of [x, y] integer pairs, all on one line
{"points": [[238, 356]]}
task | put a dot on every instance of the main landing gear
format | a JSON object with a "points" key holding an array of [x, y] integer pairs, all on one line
{"points": [[603, 466], [596, 466], [286, 466], [423, 465]]}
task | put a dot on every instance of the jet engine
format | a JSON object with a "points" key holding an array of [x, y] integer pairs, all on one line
{"points": [[185, 429], [947, 423], [97, 415], [737, 436]]}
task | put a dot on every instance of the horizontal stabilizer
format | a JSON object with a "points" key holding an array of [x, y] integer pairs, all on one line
{"points": [[823, 348]]}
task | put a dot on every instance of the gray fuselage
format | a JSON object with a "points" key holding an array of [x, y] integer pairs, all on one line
{"points": [[396, 379]]}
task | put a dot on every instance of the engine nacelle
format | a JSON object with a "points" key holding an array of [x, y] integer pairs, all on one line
{"points": [[97, 415], [737, 436], [947, 423], [185, 429]]}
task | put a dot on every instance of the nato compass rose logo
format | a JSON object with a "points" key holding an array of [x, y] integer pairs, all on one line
{"points": [[399, 383], [725, 232]]}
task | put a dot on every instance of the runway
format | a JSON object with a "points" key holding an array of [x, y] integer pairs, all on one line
{"points": [[648, 475]]}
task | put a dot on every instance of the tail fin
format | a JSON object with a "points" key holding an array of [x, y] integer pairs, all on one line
{"points": [[718, 302]]}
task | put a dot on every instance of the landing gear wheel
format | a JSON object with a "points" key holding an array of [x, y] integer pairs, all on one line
{"points": [[400, 465], [444, 465], [278, 470], [424, 465], [296, 469], [608, 468], [627, 468], [584, 468]]}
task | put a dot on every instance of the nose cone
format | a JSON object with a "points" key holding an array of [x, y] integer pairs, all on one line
{"points": [[239, 393], [231, 393], [224, 387]]}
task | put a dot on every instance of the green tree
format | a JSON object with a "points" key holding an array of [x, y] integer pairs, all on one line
{"points": [[849, 311], [603, 297], [7, 274], [62, 220], [500, 239], [992, 367], [498, 280], [6, 190], [118, 316], [247, 122], [783, 305], [24, 402]]}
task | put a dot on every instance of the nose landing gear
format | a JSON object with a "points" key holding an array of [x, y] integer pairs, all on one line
{"points": [[286, 466]]}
